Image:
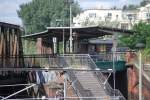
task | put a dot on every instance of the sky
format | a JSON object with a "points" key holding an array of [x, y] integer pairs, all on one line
{"points": [[8, 8]]}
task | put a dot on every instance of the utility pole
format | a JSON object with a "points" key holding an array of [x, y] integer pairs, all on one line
{"points": [[114, 60], [63, 39], [70, 26], [140, 75], [71, 39]]}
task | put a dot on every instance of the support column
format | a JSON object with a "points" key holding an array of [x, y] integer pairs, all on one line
{"points": [[114, 59], [54, 45], [1, 41], [63, 41], [50, 48], [65, 46], [75, 43], [39, 45], [57, 46]]}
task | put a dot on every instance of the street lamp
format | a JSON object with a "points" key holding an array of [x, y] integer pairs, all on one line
{"points": [[114, 60], [140, 46]]}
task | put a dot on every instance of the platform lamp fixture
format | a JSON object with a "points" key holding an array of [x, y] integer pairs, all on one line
{"points": [[140, 46]]}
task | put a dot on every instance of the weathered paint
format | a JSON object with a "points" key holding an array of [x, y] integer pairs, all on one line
{"points": [[133, 80], [42, 48]]}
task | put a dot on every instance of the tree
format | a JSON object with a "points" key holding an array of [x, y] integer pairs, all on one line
{"points": [[142, 34], [144, 2], [129, 7], [38, 14]]}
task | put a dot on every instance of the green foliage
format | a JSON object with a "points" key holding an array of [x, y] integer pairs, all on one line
{"points": [[29, 47], [146, 55], [141, 35], [148, 42], [38, 14], [144, 2], [130, 7]]}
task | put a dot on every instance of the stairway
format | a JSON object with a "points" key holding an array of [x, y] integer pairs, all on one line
{"points": [[90, 83], [87, 84]]}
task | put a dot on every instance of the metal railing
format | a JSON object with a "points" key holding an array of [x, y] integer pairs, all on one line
{"points": [[68, 61], [106, 85], [86, 62], [71, 98], [108, 56], [146, 61]]}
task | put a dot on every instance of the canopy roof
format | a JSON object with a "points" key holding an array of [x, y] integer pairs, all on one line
{"points": [[80, 32], [8, 25]]}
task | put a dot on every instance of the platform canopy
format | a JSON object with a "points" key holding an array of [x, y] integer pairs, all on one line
{"points": [[8, 25], [80, 32]]}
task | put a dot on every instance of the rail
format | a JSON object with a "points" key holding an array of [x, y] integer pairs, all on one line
{"points": [[65, 61], [107, 87], [108, 56], [86, 62]]}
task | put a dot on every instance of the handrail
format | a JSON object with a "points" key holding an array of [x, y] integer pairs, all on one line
{"points": [[74, 88], [101, 78], [106, 85], [83, 60], [108, 56]]}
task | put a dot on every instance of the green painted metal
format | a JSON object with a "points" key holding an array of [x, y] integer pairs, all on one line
{"points": [[119, 65]]}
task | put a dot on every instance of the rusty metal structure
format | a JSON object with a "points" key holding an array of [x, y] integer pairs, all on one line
{"points": [[10, 52], [10, 45]]}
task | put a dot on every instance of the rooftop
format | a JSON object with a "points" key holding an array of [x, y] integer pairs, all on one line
{"points": [[80, 32]]}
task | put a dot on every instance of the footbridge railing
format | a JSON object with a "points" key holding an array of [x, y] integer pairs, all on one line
{"points": [[85, 62], [74, 62]]}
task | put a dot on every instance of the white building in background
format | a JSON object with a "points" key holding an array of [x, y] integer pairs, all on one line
{"points": [[144, 13], [95, 16], [118, 18]]}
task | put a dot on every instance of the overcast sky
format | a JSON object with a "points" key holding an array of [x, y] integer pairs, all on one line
{"points": [[8, 8]]}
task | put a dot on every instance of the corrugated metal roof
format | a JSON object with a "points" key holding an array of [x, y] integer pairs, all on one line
{"points": [[81, 32]]}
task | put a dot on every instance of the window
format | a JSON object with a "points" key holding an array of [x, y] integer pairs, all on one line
{"points": [[92, 15], [109, 14], [130, 17], [148, 15], [124, 26]]}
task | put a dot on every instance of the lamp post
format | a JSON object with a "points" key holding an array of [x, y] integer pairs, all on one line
{"points": [[140, 46], [114, 60]]}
